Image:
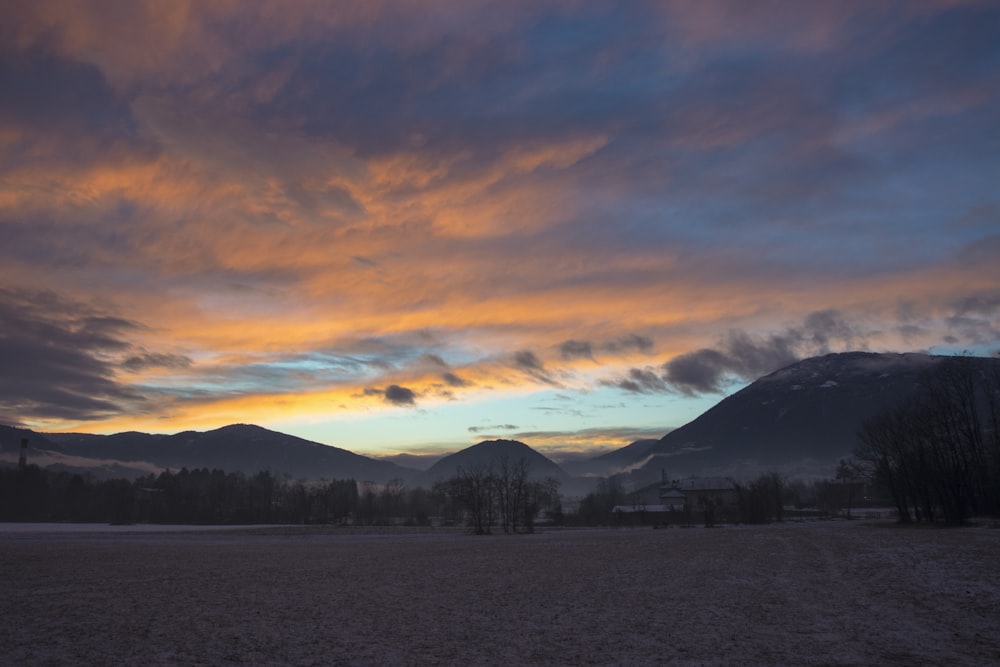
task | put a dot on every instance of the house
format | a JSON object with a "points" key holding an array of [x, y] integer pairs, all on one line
{"points": [[681, 497], [721, 491]]}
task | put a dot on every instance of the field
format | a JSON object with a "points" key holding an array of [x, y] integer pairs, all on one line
{"points": [[814, 593]]}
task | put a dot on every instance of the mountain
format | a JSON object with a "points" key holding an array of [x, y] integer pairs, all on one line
{"points": [[493, 452], [799, 420], [236, 448], [45, 453]]}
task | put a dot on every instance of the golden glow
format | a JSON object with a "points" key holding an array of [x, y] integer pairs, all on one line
{"points": [[283, 249]]}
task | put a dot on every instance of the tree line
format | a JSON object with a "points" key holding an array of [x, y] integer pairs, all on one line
{"points": [[198, 496], [484, 498], [938, 454]]}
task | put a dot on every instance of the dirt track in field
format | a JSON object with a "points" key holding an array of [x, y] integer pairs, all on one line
{"points": [[786, 594]]}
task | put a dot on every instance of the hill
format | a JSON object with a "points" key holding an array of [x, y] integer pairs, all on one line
{"points": [[493, 452]]}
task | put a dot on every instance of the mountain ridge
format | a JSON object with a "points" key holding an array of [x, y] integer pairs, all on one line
{"points": [[798, 420], [245, 448]]}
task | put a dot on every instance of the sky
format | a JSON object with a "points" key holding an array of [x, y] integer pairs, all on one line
{"points": [[406, 227]]}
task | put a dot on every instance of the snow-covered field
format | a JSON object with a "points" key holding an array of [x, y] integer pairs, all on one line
{"points": [[833, 593]]}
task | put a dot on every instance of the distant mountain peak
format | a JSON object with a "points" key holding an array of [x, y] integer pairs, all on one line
{"points": [[493, 452]]}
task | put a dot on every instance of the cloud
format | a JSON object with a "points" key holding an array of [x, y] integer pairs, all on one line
{"points": [[399, 395], [58, 359], [67, 104], [983, 303], [435, 360], [697, 372], [576, 349], [630, 342], [495, 427], [825, 325], [148, 360], [453, 380], [750, 357], [393, 394], [747, 358], [529, 363], [310, 201], [641, 381]]}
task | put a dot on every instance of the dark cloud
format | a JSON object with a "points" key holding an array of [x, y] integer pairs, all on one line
{"points": [[697, 372], [47, 91], [744, 357], [394, 394], [749, 358], [435, 359], [457, 91], [974, 330], [910, 332], [707, 370], [146, 360], [399, 395], [630, 342], [974, 319], [495, 427], [56, 356], [528, 361], [641, 381], [453, 380], [824, 325], [984, 303], [576, 349]]}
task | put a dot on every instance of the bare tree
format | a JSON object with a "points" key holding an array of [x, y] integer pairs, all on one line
{"points": [[939, 453], [474, 488], [850, 473]]}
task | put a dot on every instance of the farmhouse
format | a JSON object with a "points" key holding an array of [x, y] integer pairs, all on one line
{"points": [[680, 497], [721, 491]]}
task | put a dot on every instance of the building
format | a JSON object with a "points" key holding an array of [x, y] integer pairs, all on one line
{"points": [[683, 499]]}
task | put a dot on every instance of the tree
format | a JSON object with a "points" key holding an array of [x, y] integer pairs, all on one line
{"points": [[596, 507], [761, 500], [474, 488], [850, 473], [512, 491], [391, 500], [939, 452]]}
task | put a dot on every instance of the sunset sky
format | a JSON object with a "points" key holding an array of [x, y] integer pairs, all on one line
{"points": [[411, 226]]}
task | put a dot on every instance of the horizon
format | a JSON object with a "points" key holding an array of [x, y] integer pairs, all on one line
{"points": [[423, 458], [407, 229]]}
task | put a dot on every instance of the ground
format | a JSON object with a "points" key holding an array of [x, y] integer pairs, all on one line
{"points": [[810, 593]]}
